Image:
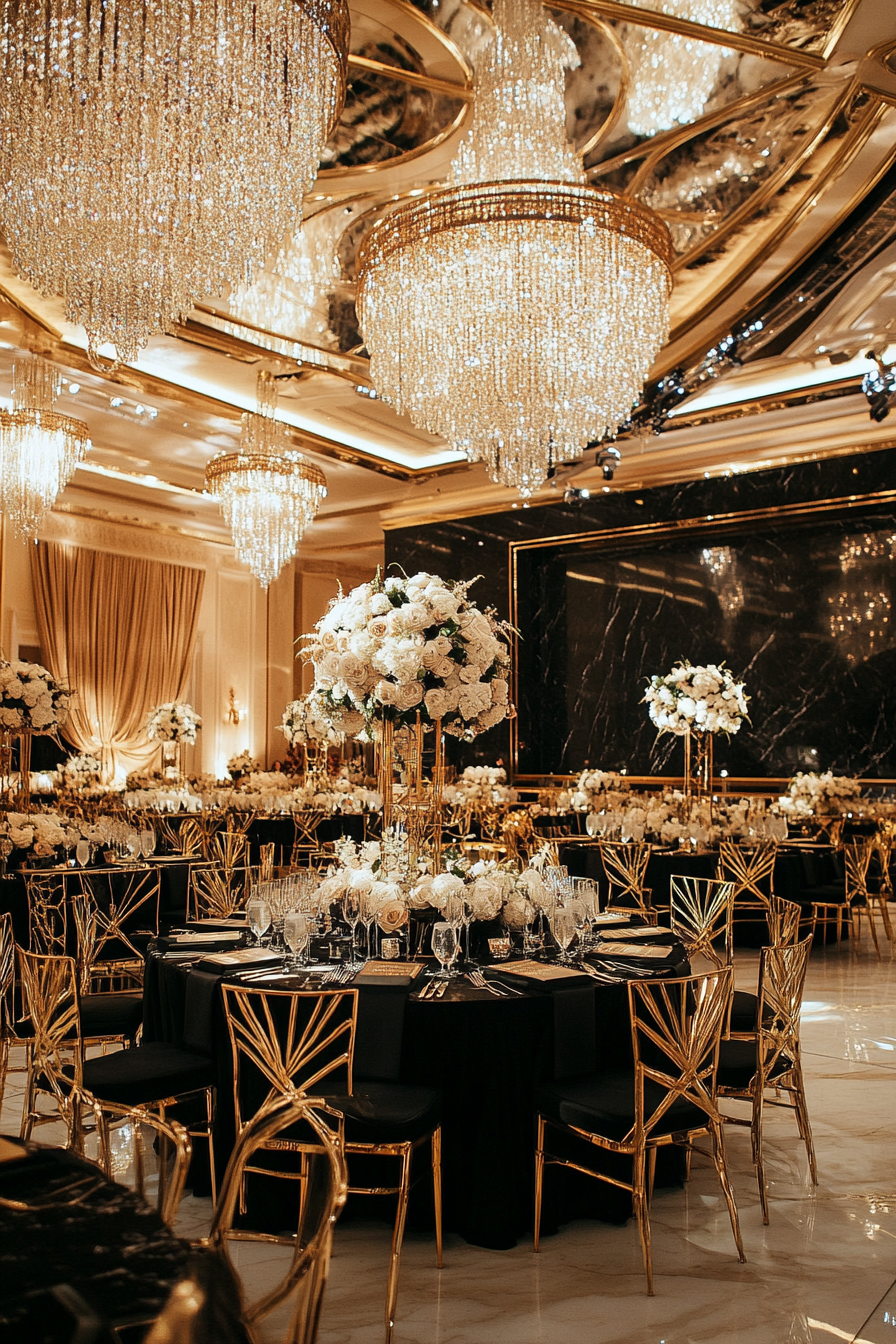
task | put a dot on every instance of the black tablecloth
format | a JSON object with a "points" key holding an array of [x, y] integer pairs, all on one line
{"points": [[486, 1055]]}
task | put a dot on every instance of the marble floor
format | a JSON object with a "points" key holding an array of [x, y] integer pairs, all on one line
{"points": [[824, 1270]]}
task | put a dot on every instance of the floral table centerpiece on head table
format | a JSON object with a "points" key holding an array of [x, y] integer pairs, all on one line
{"points": [[304, 721], [173, 722], [811, 794], [31, 700], [398, 647]]}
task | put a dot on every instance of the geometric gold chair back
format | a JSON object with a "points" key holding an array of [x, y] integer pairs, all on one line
{"points": [[7, 975], [701, 916], [676, 1028], [266, 862], [305, 824], [218, 892], [324, 1194], [167, 1147], [748, 867], [625, 866], [885, 844], [230, 849], [109, 909], [184, 839], [782, 975], [50, 1002], [285, 1042], [783, 920], [517, 833], [48, 913], [857, 856]]}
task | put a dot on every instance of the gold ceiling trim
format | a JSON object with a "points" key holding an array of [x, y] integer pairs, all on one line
{"points": [[610, 122], [121, 520], [357, 367], [719, 37], [861, 133], [462, 91]]}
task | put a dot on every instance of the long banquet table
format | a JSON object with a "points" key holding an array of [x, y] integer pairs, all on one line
{"points": [[486, 1054]]}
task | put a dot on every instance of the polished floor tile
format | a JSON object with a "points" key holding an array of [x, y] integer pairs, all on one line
{"points": [[823, 1271]]}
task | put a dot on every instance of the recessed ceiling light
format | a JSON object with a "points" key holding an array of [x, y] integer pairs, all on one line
{"points": [[74, 388]]}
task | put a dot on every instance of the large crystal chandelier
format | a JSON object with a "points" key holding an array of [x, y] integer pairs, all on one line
{"points": [[155, 151], [268, 492], [671, 76], [517, 311], [39, 448]]}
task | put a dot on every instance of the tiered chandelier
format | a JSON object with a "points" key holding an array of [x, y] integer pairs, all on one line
{"points": [[39, 448], [268, 491], [154, 151], [671, 75], [517, 311]]}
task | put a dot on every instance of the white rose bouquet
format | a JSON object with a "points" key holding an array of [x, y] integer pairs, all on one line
{"points": [[305, 721], [696, 699], [31, 700], [480, 784], [592, 788], [813, 794], [399, 646], [244, 764], [173, 722], [81, 771]]}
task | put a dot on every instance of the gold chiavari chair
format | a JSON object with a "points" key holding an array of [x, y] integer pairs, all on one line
{"points": [[325, 1190], [290, 1041], [170, 1145], [881, 892], [48, 910], [266, 862], [668, 1098], [218, 893], [625, 865], [230, 849], [518, 835], [152, 1077], [748, 1069], [701, 917], [305, 843], [748, 867], [783, 921], [858, 902], [107, 910]]}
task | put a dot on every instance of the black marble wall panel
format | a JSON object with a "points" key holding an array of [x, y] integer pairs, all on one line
{"points": [[797, 601]]}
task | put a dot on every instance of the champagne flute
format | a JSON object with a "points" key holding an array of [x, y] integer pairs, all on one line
{"points": [[297, 935], [148, 842], [82, 853], [591, 824], [563, 927], [259, 913], [351, 909], [132, 845], [444, 946]]}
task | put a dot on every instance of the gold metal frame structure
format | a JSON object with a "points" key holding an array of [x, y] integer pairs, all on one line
{"points": [[701, 914], [748, 866], [101, 922], [682, 1021], [625, 866], [858, 901], [782, 973]]}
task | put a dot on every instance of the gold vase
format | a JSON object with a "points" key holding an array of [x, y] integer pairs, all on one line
{"points": [[171, 767], [420, 808]]}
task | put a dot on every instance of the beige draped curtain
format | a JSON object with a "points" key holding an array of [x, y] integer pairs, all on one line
{"points": [[120, 631]]}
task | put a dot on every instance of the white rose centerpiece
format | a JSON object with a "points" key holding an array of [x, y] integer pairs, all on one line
{"points": [[31, 700], [304, 721], [397, 647], [696, 699], [173, 722]]}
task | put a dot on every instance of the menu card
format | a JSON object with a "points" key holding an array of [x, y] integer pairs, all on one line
{"points": [[626, 950], [254, 956], [219, 936], [389, 970], [643, 931], [539, 970]]}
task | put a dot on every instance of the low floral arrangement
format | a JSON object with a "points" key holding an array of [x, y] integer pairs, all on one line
{"points": [[593, 787], [242, 765], [305, 721], [82, 771], [812, 794], [397, 647], [696, 699], [173, 722], [31, 700], [481, 785]]}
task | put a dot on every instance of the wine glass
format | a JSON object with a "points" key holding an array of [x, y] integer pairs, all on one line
{"points": [[368, 916], [563, 927], [297, 935], [132, 844], [444, 946], [351, 909], [259, 913], [82, 853], [591, 823], [148, 842]]}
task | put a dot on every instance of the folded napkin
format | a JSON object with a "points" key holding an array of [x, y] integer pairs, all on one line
{"points": [[242, 956], [388, 973]]}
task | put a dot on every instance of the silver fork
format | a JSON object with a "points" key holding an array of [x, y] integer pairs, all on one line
{"points": [[476, 979]]}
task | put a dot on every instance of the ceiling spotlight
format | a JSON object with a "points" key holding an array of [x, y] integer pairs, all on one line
{"points": [[879, 388], [572, 495], [608, 460]]}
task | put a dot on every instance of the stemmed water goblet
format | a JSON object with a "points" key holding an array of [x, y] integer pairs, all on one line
{"points": [[259, 914], [148, 842], [297, 935], [563, 927], [444, 947], [82, 853]]}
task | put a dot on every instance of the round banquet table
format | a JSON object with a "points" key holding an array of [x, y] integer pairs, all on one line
{"points": [[485, 1054]]}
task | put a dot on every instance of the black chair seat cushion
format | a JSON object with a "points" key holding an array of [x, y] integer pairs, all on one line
{"points": [[149, 1073], [744, 1010], [111, 1014], [738, 1063], [831, 893], [604, 1104], [388, 1112]]}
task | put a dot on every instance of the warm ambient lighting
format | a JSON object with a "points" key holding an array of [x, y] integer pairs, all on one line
{"points": [[516, 312], [39, 448], [154, 151], [672, 76], [268, 491]]}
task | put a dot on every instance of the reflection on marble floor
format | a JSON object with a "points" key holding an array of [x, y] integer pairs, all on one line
{"points": [[822, 1272]]}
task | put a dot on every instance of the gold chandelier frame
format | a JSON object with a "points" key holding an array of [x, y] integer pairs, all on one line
{"points": [[291, 465]]}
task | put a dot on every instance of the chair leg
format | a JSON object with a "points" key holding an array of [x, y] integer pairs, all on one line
{"points": [[210, 1115], [802, 1118], [539, 1179], [883, 903], [756, 1140], [404, 1190], [721, 1161], [639, 1202], [437, 1190], [651, 1173]]}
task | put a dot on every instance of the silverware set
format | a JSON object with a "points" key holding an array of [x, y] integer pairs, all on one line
{"points": [[433, 990], [496, 987], [336, 975]]}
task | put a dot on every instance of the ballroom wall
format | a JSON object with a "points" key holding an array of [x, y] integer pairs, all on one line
{"points": [[787, 575], [245, 638]]}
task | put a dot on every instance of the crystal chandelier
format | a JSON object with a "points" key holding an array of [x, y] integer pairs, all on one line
{"points": [[671, 76], [39, 448], [516, 312], [155, 151], [268, 492]]}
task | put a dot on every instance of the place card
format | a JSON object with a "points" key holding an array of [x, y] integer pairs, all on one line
{"points": [[610, 917], [390, 970], [254, 956], [540, 970], [221, 936], [652, 950]]}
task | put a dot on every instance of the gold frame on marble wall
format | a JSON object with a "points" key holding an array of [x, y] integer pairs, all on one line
{"points": [[613, 538]]}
